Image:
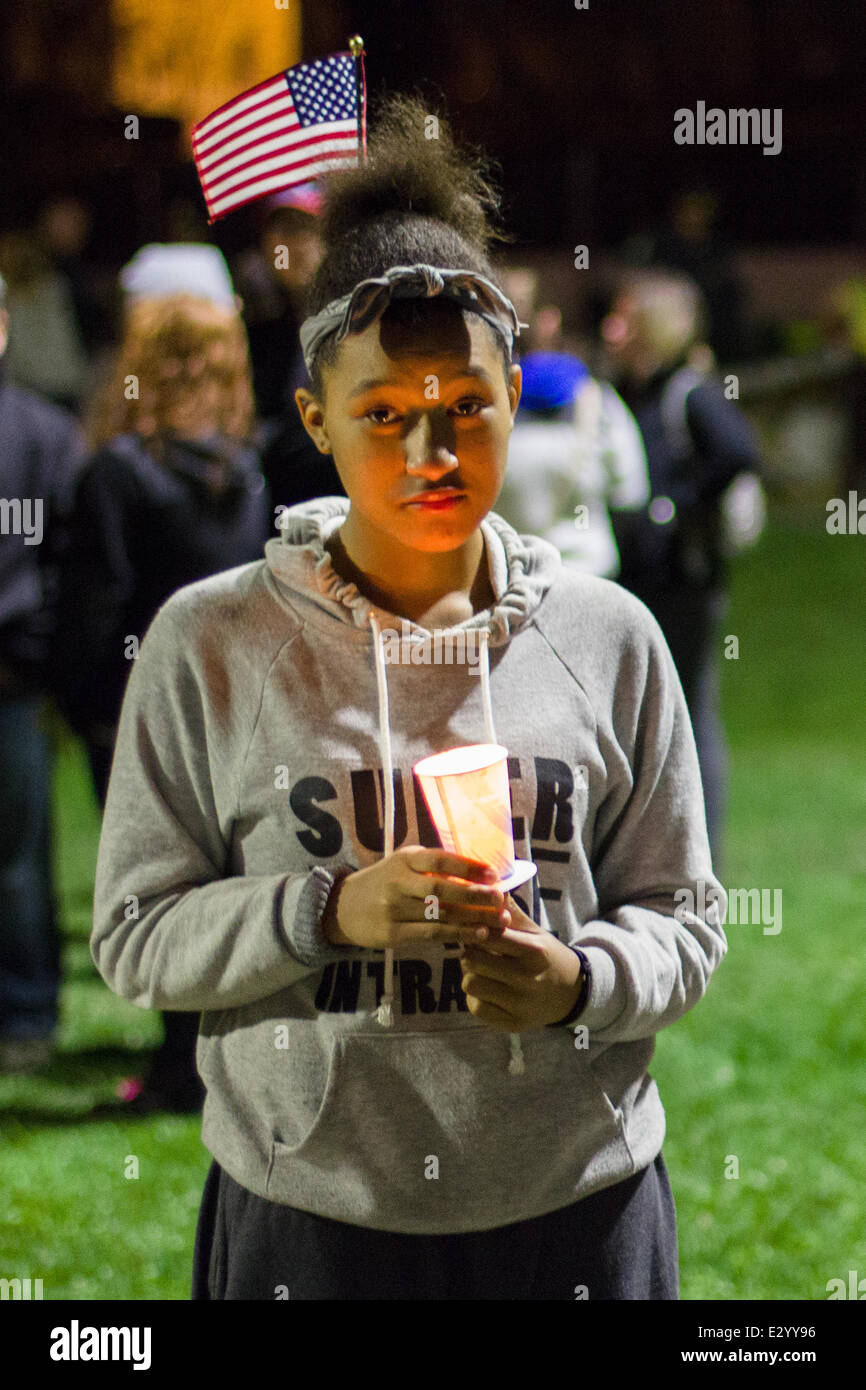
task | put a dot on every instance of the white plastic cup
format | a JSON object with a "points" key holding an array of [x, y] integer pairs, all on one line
{"points": [[467, 795]]}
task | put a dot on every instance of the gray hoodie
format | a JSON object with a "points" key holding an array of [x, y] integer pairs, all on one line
{"points": [[258, 718]]}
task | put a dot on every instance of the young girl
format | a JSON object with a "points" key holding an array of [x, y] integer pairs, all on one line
{"points": [[417, 1086]]}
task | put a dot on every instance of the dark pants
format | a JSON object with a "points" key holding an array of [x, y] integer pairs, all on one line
{"points": [[620, 1243], [29, 939], [691, 620]]}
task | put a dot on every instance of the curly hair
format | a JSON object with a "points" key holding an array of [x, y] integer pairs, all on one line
{"points": [[183, 365], [419, 197]]}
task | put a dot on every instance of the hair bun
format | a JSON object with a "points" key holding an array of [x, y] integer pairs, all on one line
{"points": [[413, 166]]}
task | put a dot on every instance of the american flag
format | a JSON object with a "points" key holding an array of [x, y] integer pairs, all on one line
{"points": [[289, 129]]}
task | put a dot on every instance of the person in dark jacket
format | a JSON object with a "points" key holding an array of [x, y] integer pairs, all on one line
{"points": [[173, 493], [272, 279], [41, 453], [697, 443], [690, 244]]}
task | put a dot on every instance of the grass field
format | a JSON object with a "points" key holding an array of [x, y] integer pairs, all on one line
{"points": [[769, 1070]]}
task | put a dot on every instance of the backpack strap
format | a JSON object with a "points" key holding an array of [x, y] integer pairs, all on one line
{"points": [[742, 506], [673, 409]]}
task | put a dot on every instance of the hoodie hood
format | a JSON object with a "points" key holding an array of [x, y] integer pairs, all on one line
{"points": [[521, 569], [218, 467]]}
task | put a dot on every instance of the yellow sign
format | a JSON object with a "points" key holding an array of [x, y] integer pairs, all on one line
{"points": [[184, 60]]}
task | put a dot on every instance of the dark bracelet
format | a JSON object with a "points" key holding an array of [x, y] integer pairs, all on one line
{"points": [[583, 997]]}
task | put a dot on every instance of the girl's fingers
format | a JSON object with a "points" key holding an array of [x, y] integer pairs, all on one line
{"points": [[485, 965], [451, 890], [442, 933], [488, 991], [520, 945], [440, 861], [455, 913]]}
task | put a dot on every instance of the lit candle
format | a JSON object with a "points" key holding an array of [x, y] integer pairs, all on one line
{"points": [[467, 794]]}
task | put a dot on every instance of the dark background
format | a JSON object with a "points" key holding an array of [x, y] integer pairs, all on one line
{"points": [[575, 105]]}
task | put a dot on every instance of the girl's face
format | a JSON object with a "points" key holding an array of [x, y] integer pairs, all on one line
{"points": [[417, 416]]}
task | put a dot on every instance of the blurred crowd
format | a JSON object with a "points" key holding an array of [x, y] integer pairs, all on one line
{"points": [[153, 417]]}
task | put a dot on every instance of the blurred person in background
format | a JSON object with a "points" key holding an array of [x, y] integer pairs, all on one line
{"points": [[575, 448], [41, 453], [62, 232], [843, 325], [544, 322], [706, 499], [271, 280], [46, 350], [184, 219], [691, 244], [575, 451], [173, 493]]}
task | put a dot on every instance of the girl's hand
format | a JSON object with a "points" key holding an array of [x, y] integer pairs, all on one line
{"points": [[525, 978], [416, 894]]}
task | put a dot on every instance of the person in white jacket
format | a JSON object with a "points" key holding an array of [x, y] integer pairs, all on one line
{"points": [[575, 451]]}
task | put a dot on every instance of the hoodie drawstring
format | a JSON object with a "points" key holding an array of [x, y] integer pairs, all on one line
{"points": [[485, 688], [517, 1065], [385, 1011]]}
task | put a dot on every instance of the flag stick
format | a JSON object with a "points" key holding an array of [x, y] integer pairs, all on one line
{"points": [[356, 47]]}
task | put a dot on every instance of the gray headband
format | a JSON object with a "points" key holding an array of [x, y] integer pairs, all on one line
{"points": [[370, 298]]}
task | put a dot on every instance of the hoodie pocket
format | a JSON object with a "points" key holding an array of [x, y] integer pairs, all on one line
{"points": [[394, 1102]]}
